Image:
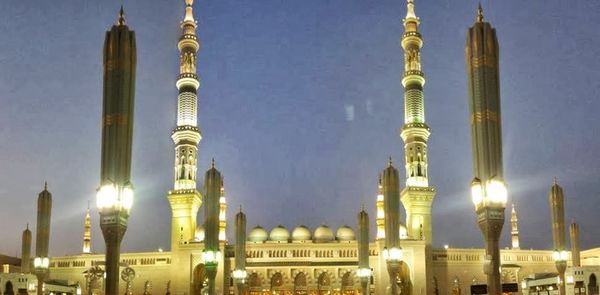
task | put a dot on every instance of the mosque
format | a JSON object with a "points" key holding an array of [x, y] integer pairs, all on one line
{"points": [[324, 260]]}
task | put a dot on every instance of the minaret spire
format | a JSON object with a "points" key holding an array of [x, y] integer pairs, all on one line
{"points": [[514, 228], [479, 13], [87, 232], [185, 199]]}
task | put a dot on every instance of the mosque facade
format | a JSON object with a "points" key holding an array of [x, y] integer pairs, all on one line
{"points": [[323, 260]]}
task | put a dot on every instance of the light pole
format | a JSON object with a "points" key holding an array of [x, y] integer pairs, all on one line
{"points": [[213, 182], [392, 253], [560, 260], [41, 265], [240, 274], [114, 196], [490, 201], [364, 271], [393, 258]]}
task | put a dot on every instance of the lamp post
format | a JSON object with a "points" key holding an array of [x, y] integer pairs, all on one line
{"points": [[560, 260], [240, 274], [41, 265], [114, 196], [364, 271], [213, 182], [392, 253], [393, 258], [490, 201]]}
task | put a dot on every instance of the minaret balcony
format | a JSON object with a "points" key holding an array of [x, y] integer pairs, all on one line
{"points": [[188, 40], [411, 34]]}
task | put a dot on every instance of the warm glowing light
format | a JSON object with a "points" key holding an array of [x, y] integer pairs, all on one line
{"points": [[240, 274], [211, 256], [524, 285], [560, 255], [446, 246], [363, 272], [476, 192], [496, 192], [570, 280], [41, 262], [107, 196], [392, 254], [127, 198], [380, 198]]}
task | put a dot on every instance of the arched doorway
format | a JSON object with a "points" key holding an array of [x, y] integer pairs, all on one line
{"points": [[277, 284], [348, 284], [593, 285], [324, 284], [8, 288], [403, 279], [254, 284], [300, 284], [199, 279]]}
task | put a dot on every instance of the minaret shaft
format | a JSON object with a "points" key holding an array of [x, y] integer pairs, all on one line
{"points": [[87, 233], [418, 196], [185, 199]]}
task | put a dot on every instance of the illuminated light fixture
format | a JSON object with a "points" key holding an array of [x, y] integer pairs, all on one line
{"points": [[41, 262], [494, 192], [240, 274], [476, 192], [523, 285], [78, 289], [211, 257], [109, 197], [392, 254], [363, 272], [560, 255]]}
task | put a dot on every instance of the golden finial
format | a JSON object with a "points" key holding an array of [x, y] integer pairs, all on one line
{"points": [[240, 208], [362, 207], [213, 163], [390, 162], [555, 180], [479, 13], [45, 185], [121, 20]]}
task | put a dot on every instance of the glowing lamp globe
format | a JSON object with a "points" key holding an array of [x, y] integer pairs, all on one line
{"points": [[363, 272], [392, 254], [240, 274]]}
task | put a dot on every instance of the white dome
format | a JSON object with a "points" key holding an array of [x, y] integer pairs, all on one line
{"points": [[301, 233], [345, 233], [258, 234], [403, 232], [279, 233], [324, 234], [199, 235]]}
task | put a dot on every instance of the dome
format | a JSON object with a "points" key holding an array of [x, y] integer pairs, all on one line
{"points": [[403, 232], [199, 235], [301, 233], [258, 234], [279, 233], [345, 233], [323, 234]]}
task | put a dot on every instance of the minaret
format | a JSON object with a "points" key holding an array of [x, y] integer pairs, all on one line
{"points": [[212, 189], [417, 197], [380, 212], [26, 251], [222, 214], [87, 233], [185, 199], [514, 228], [575, 250]]}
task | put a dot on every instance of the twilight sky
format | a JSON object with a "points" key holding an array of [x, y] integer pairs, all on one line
{"points": [[300, 104]]}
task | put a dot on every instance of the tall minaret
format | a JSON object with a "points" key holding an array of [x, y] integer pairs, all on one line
{"points": [[43, 223], [26, 251], [185, 199], [222, 214], [514, 228], [87, 232], [417, 196], [380, 212]]}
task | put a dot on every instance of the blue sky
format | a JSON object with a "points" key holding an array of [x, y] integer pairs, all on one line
{"points": [[301, 105]]}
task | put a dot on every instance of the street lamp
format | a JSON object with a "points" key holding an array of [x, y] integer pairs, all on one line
{"points": [[364, 274], [393, 257], [490, 199], [41, 266], [560, 260], [239, 276]]}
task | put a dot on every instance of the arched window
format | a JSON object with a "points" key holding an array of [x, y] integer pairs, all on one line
{"points": [[593, 285], [324, 284], [300, 284]]}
